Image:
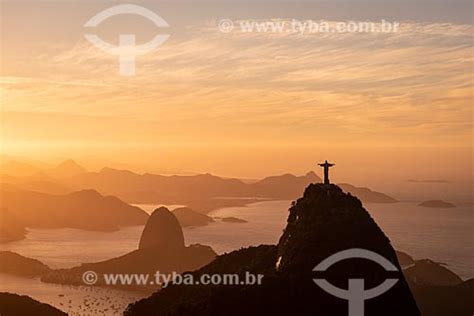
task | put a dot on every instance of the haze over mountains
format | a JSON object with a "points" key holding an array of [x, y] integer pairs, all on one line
{"points": [[36, 195], [132, 187], [86, 209], [67, 195], [39, 177]]}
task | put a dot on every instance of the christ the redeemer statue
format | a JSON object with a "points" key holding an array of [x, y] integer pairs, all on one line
{"points": [[326, 165]]}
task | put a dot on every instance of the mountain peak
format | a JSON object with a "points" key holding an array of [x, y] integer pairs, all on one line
{"points": [[69, 162], [312, 175], [162, 231], [327, 221], [67, 168]]}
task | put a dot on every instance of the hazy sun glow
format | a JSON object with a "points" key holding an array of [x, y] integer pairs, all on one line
{"points": [[240, 104]]}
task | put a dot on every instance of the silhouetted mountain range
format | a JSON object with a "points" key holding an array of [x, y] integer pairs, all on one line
{"points": [[40, 179], [203, 192], [149, 187], [65, 169], [16, 168], [85, 209]]}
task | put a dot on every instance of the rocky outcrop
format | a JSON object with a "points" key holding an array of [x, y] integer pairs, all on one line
{"points": [[13, 263], [162, 231], [16, 305], [321, 223], [188, 217]]}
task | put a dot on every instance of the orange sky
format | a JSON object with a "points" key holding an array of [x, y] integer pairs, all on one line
{"points": [[380, 105]]}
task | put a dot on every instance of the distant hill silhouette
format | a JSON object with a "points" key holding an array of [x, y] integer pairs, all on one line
{"points": [[232, 219], [161, 248], [149, 187], [65, 169], [40, 179], [321, 223], [11, 228], [22, 305], [18, 168], [366, 195], [429, 273], [437, 204], [284, 186], [85, 209], [38, 182], [202, 193], [188, 217], [13, 263]]}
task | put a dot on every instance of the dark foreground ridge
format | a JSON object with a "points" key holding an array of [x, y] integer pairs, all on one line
{"points": [[22, 305], [321, 223]]}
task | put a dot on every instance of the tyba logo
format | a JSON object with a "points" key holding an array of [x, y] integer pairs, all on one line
{"points": [[356, 293], [127, 50]]}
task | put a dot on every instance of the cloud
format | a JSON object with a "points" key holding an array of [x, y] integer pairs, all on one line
{"points": [[376, 86]]}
